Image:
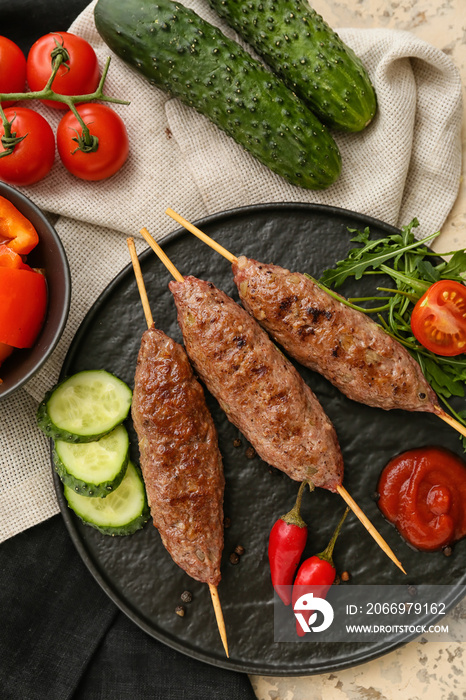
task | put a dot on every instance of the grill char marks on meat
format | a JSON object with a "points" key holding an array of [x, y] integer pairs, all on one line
{"points": [[342, 344], [257, 387], [180, 459]]}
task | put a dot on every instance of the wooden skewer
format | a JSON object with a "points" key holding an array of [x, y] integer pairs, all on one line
{"points": [[200, 234], [452, 421], [140, 282], [349, 500], [229, 256], [147, 312], [161, 254], [341, 490], [219, 616]]}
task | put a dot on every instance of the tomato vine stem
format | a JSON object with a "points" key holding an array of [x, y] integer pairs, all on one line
{"points": [[88, 142]]}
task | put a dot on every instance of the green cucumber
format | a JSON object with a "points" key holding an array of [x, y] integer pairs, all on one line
{"points": [[309, 57], [122, 512], [93, 468], [84, 407], [187, 57]]}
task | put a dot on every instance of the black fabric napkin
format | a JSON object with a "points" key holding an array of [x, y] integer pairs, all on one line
{"points": [[61, 637]]}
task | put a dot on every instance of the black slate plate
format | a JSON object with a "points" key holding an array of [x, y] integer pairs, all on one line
{"points": [[138, 574]]}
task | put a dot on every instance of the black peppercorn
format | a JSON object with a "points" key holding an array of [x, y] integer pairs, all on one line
{"points": [[180, 610], [234, 558], [239, 549], [186, 596]]}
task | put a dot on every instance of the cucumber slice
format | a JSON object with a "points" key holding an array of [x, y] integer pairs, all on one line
{"points": [[84, 407], [93, 468], [122, 512]]}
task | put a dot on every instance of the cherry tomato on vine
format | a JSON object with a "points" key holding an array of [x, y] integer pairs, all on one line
{"points": [[12, 68], [438, 320], [33, 156], [79, 76], [112, 148]]}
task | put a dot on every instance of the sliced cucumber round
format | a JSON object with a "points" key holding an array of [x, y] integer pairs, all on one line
{"points": [[93, 468], [84, 407], [122, 512]]}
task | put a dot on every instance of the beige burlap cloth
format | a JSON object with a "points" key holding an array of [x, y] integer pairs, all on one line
{"points": [[406, 164]]}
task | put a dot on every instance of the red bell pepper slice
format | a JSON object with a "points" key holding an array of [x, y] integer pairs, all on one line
{"points": [[16, 231], [23, 303], [8, 258]]}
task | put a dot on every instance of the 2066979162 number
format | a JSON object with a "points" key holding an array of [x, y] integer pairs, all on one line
{"points": [[410, 608]]}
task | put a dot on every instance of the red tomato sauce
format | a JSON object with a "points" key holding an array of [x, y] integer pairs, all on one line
{"points": [[423, 494]]}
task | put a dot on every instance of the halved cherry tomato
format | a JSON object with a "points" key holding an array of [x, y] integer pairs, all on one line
{"points": [[77, 76], [113, 145], [12, 68], [438, 320], [32, 158], [23, 302], [16, 231]]}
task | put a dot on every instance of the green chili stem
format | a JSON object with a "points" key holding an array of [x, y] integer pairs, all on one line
{"points": [[326, 555], [293, 517]]}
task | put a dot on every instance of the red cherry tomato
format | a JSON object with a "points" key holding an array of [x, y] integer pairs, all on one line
{"points": [[79, 76], [33, 157], [438, 320], [113, 145], [12, 68]]}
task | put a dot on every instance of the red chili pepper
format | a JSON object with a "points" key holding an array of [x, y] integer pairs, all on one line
{"points": [[287, 540], [318, 571], [16, 231]]}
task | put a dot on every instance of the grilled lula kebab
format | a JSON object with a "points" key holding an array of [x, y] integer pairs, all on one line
{"points": [[352, 351], [180, 459], [259, 389]]}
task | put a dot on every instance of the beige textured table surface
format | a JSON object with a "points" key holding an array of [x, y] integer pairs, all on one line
{"points": [[421, 670]]}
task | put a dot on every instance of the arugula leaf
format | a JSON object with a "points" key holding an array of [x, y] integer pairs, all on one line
{"points": [[406, 262], [442, 380], [427, 271], [359, 259], [455, 268]]}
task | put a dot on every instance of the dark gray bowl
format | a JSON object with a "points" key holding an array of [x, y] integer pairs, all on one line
{"points": [[50, 255]]}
